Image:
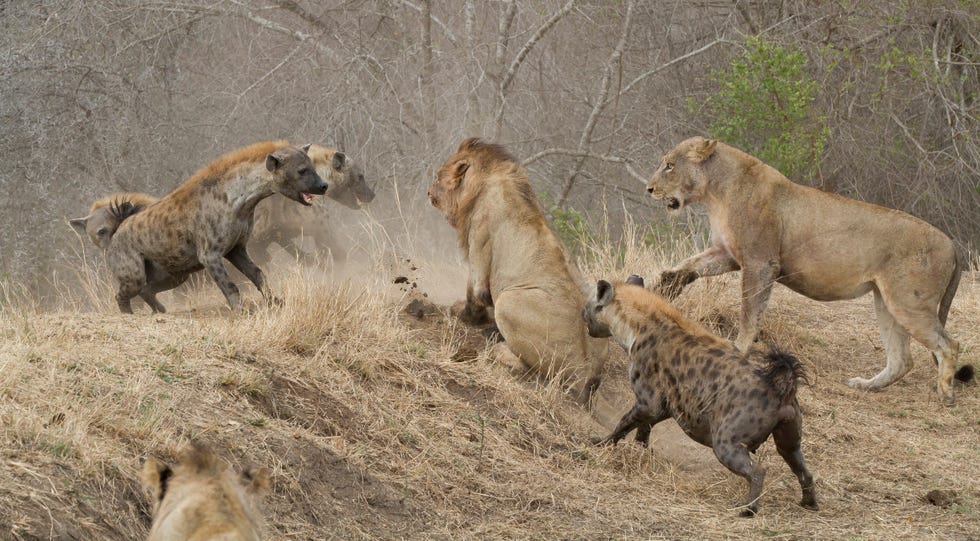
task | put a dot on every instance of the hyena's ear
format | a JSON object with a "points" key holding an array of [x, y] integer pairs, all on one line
{"points": [[635, 280], [256, 481], [154, 478], [79, 223], [275, 160], [701, 149], [306, 148], [603, 293], [339, 159]]}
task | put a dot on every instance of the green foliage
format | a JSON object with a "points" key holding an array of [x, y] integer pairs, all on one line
{"points": [[763, 105], [570, 226]]}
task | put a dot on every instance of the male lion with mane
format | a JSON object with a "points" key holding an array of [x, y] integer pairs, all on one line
{"points": [[819, 244], [517, 265]]}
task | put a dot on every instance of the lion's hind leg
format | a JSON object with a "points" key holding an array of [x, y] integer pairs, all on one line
{"points": [[896, 341]]}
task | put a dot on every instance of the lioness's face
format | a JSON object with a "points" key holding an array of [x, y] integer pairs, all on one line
{"points": [[680, 179], [295, 174]]}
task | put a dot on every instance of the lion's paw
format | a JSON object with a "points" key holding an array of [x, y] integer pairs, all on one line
{"points": [[860, 383]]}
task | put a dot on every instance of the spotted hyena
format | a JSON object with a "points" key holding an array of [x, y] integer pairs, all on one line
{"points": [[278, 221], [722, 398], [207, 219]]}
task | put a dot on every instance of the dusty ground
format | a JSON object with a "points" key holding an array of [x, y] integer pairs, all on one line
{"points": [[379, 423]]}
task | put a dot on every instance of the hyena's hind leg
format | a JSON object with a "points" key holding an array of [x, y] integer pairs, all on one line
{"points": [[787, 435], [130, 273], [158, 282], [735, 457]]}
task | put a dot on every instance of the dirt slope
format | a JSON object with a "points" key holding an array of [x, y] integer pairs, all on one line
{"points": [[377, 423]]}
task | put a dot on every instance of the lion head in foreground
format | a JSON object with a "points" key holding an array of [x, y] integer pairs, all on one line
{"points": [[201, 498]]}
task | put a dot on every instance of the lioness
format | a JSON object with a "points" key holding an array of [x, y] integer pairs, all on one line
{"points": [[201, 499], [819, 244], [517, 265]]}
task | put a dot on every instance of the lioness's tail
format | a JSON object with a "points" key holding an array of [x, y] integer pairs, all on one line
{"points": [[782, 372], [966, 372]]}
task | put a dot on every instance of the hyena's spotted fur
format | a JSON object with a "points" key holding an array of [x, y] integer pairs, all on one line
{"points": [[209, 218], [720, 397]]}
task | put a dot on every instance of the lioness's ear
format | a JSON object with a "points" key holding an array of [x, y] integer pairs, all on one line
{"points": [[79, 223], [635, 279], [701, 149], [306, 148], [257, 481], [339, 158], [603, 293], [154, 477]]}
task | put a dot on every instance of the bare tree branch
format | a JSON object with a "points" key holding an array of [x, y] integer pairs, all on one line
{"points": [[600, 103], [627, 163], [526, 49], [449, 33], [666, 65]]}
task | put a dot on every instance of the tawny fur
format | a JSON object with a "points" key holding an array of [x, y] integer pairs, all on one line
{"points": [[202, 499], [517, 265], [279, 221], [209, 218], [722, 398], [818, 244]]}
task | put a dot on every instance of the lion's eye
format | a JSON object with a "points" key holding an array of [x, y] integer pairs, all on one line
{"points": [[668, 167]]}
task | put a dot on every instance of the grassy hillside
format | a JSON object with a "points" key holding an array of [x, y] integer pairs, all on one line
{"points": [[377, 423]]}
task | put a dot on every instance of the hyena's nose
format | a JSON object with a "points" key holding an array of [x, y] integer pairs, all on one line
{"points": [[320, 186]]}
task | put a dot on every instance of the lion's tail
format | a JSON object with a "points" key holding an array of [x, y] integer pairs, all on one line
{"points": [[966, 372], [783, 372]]}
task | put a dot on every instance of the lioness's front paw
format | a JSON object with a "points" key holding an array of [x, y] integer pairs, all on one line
{"points": [[672, 283], [861, 384]]}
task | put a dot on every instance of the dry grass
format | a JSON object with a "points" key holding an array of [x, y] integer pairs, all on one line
{"points": [[377, 424]]}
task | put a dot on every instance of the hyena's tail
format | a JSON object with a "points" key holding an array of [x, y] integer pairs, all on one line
{"points": [[782, 372], [966, 372]]}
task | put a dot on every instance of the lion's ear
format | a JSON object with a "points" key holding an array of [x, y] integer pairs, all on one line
{"points": [[701, 150], [459, 170]]}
